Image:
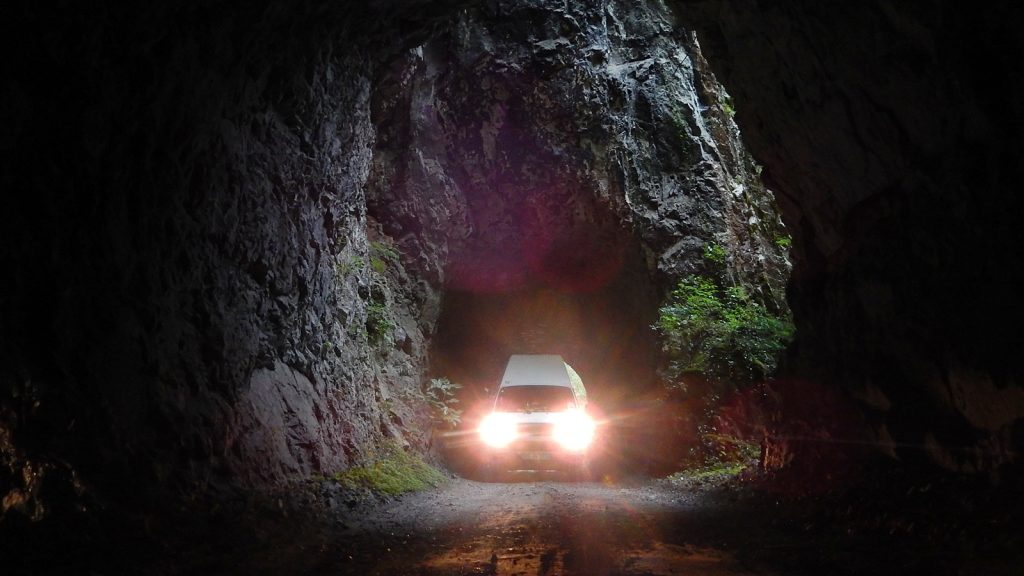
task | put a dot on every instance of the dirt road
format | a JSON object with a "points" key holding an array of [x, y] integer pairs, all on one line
{"points": [[544, 528], [739, 526]]}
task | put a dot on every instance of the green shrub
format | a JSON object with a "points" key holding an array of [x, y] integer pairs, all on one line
{"points": [[440, 396], [714, 253], [719, 457], [381, 253], [343, 269], [392, 470], [727, 106], [378, 321], [784, 241], [721, 333]]}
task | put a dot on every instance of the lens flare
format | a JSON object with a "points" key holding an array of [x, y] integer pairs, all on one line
{"points": [[574, 430], [498, 430]]}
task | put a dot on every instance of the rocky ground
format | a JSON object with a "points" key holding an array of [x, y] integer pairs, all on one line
{"points": [[630, 526]]}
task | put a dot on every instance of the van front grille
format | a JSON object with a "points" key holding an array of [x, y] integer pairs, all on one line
{"points": [[535, 436]]}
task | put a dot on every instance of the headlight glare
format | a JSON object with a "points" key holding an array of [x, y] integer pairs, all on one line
{"points": [[574, 430], [498, 430]]}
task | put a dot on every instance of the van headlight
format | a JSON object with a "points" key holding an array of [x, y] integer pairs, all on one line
{"points": [[498, 430], [574, 430]]}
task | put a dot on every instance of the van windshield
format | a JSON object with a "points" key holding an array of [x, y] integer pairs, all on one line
{"points": [[534, 399]]}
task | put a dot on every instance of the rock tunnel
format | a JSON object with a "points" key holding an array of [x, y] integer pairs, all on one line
{"points": [[238, 239], [559, 185]]}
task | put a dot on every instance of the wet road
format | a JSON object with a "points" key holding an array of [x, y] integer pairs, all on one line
{"points": [[630, 528], [546, 528]]}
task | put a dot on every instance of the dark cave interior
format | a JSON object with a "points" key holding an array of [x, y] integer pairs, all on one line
{"points": [[225, 221]]}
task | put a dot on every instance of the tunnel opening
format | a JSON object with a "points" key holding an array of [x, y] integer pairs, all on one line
{"points": [[554, 174], [249, 235], [603, 331]]}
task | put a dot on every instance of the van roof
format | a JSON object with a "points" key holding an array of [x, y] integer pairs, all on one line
{"points": [[535, 370]]}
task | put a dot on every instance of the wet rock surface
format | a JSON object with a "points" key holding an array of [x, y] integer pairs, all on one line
{"points": [[530, 143], [893, 155], [189, 276]]}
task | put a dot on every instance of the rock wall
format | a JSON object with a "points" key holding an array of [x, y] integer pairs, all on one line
{"points": [[532, 142], [558, 168], [227, 229], [192, 297], [891, 133]]}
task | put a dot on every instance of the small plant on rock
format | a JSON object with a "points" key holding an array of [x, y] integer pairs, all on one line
{"points": [[382, 253], [728, 107], [391, 469], [724, 456], [378, 321], [714, 253], [440, 395]]}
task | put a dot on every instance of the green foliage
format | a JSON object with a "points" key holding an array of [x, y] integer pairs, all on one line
{"points": [[343, 269], [714, 253], [784, 241], [729, 450], [381, 254], [711, 471], [378, 321], [722, 334], [728, 107], [440, 396], [392, 470], [384, 250], [723, 456]]}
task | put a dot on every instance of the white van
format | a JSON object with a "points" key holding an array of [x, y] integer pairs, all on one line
{"points": [[538, 421]]}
